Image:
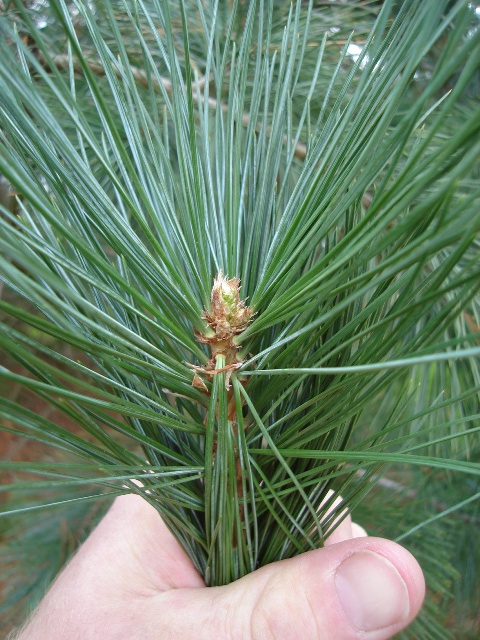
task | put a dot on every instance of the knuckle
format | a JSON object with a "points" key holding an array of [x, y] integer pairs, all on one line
{"points": [[280, 613]]}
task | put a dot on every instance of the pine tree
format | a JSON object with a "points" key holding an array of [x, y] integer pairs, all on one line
{"points": [[259, 223]]}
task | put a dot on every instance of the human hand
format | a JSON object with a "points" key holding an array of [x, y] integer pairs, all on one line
{"points": [[131, 580]]}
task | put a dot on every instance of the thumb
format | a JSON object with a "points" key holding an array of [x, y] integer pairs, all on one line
{"points": [[366, 588]]}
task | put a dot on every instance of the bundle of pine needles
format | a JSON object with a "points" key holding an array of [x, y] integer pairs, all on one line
{"points": [[262, 232]]}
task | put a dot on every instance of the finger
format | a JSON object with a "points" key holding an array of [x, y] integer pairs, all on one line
{"points": [[358, 531], [133, 540], [341, 533], [105, 590], [366, 588], [343, 530]]}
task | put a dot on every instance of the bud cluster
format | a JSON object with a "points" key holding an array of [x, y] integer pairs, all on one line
{"points": [[227, 317]]}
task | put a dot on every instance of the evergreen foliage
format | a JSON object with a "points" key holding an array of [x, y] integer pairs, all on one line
{"points": [[155, 145]]}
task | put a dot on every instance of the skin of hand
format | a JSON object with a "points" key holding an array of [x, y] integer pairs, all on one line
{"points": [[130, 580]]}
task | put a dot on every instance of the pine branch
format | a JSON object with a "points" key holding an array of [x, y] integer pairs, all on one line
{"points": [[357, 250]]}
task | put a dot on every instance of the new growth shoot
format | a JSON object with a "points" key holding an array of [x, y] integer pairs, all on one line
{"points": [[227, 317]]}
